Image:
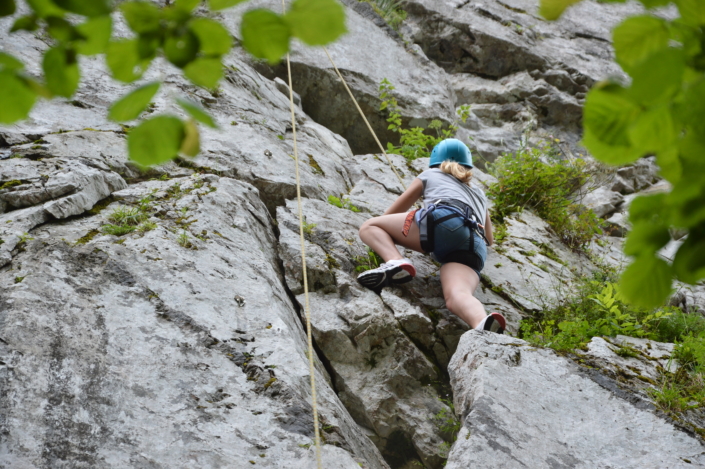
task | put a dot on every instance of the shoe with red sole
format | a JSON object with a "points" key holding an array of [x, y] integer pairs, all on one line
{"points": [[494, 322]]}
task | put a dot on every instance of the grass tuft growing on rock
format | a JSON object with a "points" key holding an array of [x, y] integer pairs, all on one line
{"points": [[390, 10], [124, 220]]}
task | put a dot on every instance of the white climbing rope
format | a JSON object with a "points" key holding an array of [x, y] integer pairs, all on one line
{"points": [[365, 119], [307, 306]]}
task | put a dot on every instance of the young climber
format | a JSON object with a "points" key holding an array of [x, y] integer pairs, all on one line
{"points": [[450, 227]]}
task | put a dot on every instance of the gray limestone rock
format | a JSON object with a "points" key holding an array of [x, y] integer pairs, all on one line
{"points": [[365, 56], [136, 350], [603, 201], [527, 407]]}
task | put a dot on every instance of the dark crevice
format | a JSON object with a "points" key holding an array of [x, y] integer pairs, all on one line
{"points": [[302, 316], [511, 8], [590, 36]]}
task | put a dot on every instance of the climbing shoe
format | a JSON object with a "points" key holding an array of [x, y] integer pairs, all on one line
{"points": [[390, 273], [494, 323]]}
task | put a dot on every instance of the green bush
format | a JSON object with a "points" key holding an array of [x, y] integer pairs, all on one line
{"points": [[685, 389], [525, 180], [678, 325], [596, 309]]}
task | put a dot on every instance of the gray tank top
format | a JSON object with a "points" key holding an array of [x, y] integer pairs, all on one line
{"points": [[440, 185]]}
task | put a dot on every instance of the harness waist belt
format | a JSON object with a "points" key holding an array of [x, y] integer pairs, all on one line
{"points": [[459, 209]]}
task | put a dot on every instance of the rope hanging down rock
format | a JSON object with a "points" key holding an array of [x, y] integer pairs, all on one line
{"points": [[365, 119], [307, 306]]}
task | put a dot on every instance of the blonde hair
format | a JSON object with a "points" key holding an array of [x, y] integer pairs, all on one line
{"points": [[460, 172]]}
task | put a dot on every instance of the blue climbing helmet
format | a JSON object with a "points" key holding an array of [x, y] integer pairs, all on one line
{"points": [[450, 149]]}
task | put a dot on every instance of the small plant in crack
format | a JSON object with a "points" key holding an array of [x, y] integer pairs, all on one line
{"points": [[367, 262], [343, 202], [308, 227], [184, 240], [446, 420], [124, 219], [24, 238]]}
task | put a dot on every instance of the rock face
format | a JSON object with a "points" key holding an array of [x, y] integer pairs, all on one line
{"points": [[578, 423], [180, 343]]}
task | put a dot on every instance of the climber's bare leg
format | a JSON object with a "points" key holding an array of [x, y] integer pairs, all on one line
{"points": [[382, 233], [459, 283]]}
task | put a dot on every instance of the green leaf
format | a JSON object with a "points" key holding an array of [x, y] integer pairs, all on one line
{"points": [[197, 112], [156, 140], [191, 144], [212, 36], [25, 23], [45, 8], [646, 237], [7, 7], [204, 72], [316, 22], [658, 77], [17, 99], [221, 4], [653, 131], [638, 37], [553, 9], [124, 60], [265, 35], [654, 3], [96, 32], [9, 62], [647, 207], [692, 11], [142, 17], [691, 109], [182, 48], [86, 8], [61, 71], [689, 263], [132, 105], [670, 163], [61, 30], [646, 282], [610, 154], [608, 114], [186, 5]]}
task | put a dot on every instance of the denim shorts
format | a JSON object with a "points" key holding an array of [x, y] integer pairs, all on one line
{"points": [[453, 242]]}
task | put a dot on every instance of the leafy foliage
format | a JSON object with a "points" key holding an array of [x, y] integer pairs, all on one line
{"points": [[525, 180], [371, 260], [413, 143], [343, 202], [194, 44], [662, 112], [597, 308], [390, 10], [447, 421]]}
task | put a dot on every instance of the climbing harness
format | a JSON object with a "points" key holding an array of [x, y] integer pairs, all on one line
{"points": [[427, 222], [365, 119], [307, 306]]}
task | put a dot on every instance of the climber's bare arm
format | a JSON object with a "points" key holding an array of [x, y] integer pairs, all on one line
{"points": [[407, 199], [488, 229]]}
